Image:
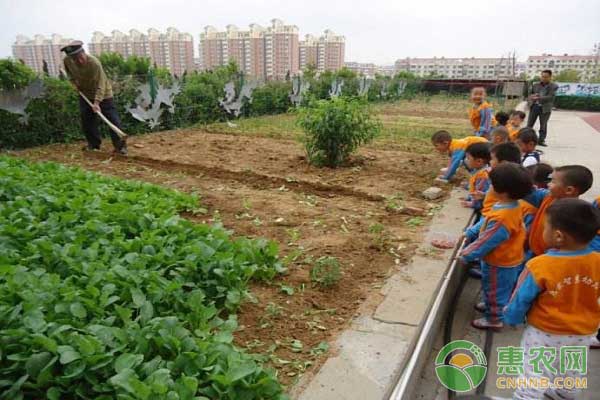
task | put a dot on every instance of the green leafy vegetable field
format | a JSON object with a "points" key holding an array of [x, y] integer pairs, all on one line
{"points": [[106, 292]]}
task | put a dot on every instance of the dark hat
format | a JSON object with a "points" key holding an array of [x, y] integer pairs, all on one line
{"points": [[75, 47]]}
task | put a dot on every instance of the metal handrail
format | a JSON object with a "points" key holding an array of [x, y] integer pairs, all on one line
{"points": [[401, 386]]}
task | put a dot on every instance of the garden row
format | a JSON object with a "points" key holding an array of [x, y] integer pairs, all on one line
{"points": [[54, 117], [106, 292]]}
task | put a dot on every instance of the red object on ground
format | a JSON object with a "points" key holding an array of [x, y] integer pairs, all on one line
{"points": [[593, 120], [443, 244]]}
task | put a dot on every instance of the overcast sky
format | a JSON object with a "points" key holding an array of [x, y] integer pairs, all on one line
{"points": [[376, 30]]}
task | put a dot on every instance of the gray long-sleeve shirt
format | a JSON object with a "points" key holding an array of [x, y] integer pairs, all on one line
{"points": [[547, 93]]}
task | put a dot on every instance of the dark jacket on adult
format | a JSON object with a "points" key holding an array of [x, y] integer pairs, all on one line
{"points": [[547, 93]]}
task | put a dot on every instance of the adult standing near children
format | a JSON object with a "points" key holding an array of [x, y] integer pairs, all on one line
{"points": [[541, 102], [87, 75]]}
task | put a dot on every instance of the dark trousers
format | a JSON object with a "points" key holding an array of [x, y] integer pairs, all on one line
{"points": [[90, 121], [534, 113]]}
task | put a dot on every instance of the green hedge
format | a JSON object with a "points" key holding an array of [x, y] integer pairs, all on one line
{"points": [[54, 118], [578, 103]]}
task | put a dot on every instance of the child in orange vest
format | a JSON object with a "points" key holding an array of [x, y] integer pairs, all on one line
{"points": [[498, 240], [559, 292], [477, 159], [455, 148], [514, 124], [569, 181], [505, 152], [481, 114]]}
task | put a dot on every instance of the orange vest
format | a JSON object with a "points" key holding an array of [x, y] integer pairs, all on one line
{"points": [[475, 116], [512, 132], [570, 289], [527, 208], [536, 231], [488, 202], [462, 144], [511, 252], [481, 174]]}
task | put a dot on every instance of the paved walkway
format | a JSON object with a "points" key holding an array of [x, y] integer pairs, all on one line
{"points": [[572, 140]]}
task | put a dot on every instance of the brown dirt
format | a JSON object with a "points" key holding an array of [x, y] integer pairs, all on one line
{"points": [[262, 187]]}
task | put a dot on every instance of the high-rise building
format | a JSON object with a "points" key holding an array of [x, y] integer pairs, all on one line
{"points": [[270, 53], [34, 52], [246, 48], [325, 53], [587, 66], [281, 50], [173, 50], [309, 52], [332, 49], [458, 68]]}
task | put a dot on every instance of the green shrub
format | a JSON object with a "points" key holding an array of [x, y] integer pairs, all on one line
{"points": [[335, 129], [272, 98], [588, 103], [326, 272], [14, 75]]}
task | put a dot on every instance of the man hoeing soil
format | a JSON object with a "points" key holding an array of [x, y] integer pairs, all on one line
{"points": [[87, 75]]}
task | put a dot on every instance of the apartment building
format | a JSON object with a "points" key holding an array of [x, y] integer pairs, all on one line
{"points": [[366, 69], [326, 52], [281, 50], [268, 53], [265, 53], [34, 52], [245, 48], [458, 68], [587, 66], [309, 52], [173, 50]]}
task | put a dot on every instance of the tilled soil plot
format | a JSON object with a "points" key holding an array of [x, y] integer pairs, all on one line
{"points": [[368, 215]]}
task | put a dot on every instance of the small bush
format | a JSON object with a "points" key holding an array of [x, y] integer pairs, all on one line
{"points": [[326, 271], [335, 129]]}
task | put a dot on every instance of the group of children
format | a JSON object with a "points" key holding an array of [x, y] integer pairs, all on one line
{"points": [[536, 245]]}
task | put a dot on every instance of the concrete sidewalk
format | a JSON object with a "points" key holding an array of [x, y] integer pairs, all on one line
{"points": [[571, 140]]}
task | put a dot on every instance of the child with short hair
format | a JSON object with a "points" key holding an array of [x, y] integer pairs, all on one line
{"points": [[558, 292], [498, 241], [514, 124], [505, 152], [499, 135], [541, 174], [455, 148], [477, 160], [527, 140], [568, 181], [501, 118], [481, 113]]}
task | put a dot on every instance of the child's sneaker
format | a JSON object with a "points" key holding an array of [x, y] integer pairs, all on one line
{"points": [[483, 323], [480, 306]]}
